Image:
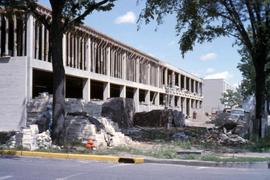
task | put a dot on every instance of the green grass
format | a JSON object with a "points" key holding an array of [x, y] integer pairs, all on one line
{"points": [[216, 158]]}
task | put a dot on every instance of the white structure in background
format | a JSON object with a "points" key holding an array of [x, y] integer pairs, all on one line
{"points": [[212, 92]]}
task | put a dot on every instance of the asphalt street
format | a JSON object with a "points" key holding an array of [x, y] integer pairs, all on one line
{"points": [[61, 169]]}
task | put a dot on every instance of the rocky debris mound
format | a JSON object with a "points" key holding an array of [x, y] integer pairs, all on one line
{"points": [[105, 133], [44, 140], [160, 118], [119, 110], [231, 139], [239, 127], [39, 111], [222, 137], [30, 138]]}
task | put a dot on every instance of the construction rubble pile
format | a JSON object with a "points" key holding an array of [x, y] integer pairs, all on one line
{"points": [[160, 118], [31, 139], [84, 121]]}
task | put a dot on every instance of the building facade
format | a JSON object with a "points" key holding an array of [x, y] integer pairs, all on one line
{"points": [[212, 93], [96, 66]]}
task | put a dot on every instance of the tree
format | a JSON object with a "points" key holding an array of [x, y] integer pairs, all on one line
{"points": [[231, 98], [248, 72], [247, 86], [248, 21], [65, 14]]}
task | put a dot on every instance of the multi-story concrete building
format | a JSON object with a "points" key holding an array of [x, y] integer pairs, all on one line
{"points": [[212, 93], [96, 66]]}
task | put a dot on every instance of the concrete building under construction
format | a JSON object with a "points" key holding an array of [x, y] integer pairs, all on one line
{"points": [[96, 66]]}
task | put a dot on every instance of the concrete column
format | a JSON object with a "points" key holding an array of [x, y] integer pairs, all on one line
{"points": [[147, 99], [47, 45], [166, 77], [184, 105], [194, 86], [157, 99], [15, 35], [158, 76], [173, 79], [179, 81], [148, 74], [190, 90], [42, 48], [172, 100], [137, 70], [88, 54], [37, 40], [106, 92], [185, 83], [124, 66], [136, 99], [6, 42], [189, 106], [64, 50], [201, 90], [178, 101], [123, 92], [29, 53], [87, 89], [83, 53]]}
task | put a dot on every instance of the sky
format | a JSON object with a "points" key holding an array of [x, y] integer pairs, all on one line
{"points": [[217, 59]]}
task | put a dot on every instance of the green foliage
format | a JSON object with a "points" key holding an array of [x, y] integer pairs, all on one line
{"points": [[231, 98], [247, 69], [199, 21], [205, 20]]}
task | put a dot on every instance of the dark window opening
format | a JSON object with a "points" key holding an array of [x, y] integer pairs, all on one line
{"points": [[161, 99], [115, 90], [42, 82], [152, 97], [130, 92], [74, 87], [142, 95], [97, 89]]}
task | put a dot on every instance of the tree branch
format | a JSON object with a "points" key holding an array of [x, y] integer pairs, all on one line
{"points": [[238, 23], [252, 20], [88, 10]]}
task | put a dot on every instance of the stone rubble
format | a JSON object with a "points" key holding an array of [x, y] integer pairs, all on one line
{"points": [[160, 118], [98, 120], [80, 128], [30, 138]]}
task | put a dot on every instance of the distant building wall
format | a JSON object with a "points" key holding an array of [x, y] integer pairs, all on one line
{"points": [[212, 93]]}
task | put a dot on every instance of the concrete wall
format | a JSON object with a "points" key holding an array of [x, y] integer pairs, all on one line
{"points": [[212, 92], [13, 93]]}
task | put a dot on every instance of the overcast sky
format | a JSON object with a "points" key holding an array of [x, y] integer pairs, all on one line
{"points": [[209, 60]]}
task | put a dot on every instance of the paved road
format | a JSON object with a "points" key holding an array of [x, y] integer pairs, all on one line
{"points": [[60, 169]]}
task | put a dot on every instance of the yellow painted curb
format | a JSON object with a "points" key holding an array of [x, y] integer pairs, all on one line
{"points": [[114, 159], [93, 157]]}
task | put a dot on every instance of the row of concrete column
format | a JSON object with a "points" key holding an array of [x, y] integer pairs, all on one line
{"points": [[147, 99], [12, 35]]}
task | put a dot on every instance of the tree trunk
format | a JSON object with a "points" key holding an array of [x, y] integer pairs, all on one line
{"points": [[56, 36], [260, 100]]}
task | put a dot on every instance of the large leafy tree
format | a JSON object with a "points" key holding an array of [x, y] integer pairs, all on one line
{"points": [[204, 20], [231, 98], [248, 72], [65, 14], [247, 69]]}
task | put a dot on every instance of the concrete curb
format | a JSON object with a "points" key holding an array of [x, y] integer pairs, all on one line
{"points": [[115, 159], [254, 165]]}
